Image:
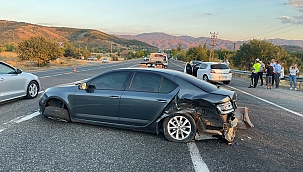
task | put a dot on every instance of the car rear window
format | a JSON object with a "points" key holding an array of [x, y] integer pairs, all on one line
{"points": [[219, 66], [207, 87]]}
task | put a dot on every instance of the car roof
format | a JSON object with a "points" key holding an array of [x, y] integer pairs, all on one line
{"points": [[212, 63], [154, 70]]}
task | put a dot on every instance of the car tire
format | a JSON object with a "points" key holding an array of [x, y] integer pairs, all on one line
{"points": [[226, 82], [205, 78], [56, 113], [32, 90], [179, 128]]}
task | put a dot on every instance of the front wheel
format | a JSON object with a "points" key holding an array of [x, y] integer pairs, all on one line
{"points": [[179, 128], [32, 90]]}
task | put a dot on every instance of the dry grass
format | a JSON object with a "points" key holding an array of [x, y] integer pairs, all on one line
{"points": [[12, 59]]}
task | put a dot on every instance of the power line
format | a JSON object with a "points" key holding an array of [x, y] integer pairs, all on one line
{"points": [[269, 32], [287, 31]]}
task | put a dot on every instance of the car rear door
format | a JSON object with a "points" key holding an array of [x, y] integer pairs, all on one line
{"points": [[145, 99], [100, 103]]}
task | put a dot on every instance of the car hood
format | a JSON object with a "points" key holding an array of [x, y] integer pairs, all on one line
{"points": [[224, 92], [62, 88]]}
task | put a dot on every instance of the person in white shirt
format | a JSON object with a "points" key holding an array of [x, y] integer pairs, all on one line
{"points": [[293, 70]]}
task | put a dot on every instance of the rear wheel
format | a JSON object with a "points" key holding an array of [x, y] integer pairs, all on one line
{"points": [[226, 82], [205, 78], [32, 90], [179, 128]]}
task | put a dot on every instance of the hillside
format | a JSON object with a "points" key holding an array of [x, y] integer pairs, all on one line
{"points": [[166, 41], [14, 32]]}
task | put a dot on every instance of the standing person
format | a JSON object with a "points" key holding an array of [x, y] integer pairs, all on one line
{"points": [[269, 70], [273, 64], [293, 70], [260, 73], [282, 72], [277, 70], [254, 74]]}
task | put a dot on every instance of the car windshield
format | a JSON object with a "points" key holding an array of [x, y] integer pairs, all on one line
{"points": [[198, 83], [219, 66]]}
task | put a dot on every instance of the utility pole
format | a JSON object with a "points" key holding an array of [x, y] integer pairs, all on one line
{"points": [[234, 49], [213, 38]]}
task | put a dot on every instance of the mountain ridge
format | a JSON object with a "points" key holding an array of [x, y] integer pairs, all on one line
{"points": [[157, 39]]}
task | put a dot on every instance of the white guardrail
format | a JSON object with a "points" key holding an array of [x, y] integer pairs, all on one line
{"points": [[248, 73]]}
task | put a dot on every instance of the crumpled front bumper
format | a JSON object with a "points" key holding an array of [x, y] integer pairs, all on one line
{"points": [[240, 121]]}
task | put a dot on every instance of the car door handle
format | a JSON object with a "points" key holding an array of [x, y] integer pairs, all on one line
{"points": [[161, 101], [114, 97], [2, 79]]}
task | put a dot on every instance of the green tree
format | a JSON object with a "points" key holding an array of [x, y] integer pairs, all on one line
{"points": [[39, 50], [261, 49], [139, 54], [196, 53]]}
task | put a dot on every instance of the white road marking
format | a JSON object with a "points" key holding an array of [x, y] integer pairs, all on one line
{"points": [[199, 164], [281, 107], [17, 120]]}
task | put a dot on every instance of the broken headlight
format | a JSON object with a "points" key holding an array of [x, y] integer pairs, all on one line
{"points": [[225, 108]]}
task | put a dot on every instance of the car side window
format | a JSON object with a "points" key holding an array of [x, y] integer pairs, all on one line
{"points": [[203, 66], [146, 82], [167, 86], [5, 69], [111, 81]]}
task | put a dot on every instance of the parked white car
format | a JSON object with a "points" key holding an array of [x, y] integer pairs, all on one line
{"points": [[213, 71], [14, 83]]}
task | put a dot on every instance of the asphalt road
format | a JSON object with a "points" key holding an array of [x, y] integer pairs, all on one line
{"points": [[30, 142]]}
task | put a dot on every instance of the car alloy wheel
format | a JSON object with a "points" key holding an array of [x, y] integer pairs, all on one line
{"points": [[32, 90], [179, 128], [205, 78]]}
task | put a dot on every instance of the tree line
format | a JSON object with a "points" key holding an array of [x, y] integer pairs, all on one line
{"points": [[244, 57]]}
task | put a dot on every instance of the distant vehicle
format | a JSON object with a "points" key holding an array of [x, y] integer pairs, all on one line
{"points": [[213, 71], [15, 84], [146, 59], [91, 58], [178, 105], [192, 67], [105, 60], [156, 60]]}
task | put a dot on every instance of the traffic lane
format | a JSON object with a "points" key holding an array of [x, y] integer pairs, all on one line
{"points": [[56, 71], [289, 99], [16, 108], [274, 144], [40, 144]]}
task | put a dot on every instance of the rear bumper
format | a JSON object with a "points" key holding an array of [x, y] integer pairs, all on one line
{"points": [[217, 77]]}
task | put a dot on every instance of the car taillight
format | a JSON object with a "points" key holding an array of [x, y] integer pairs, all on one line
{"points": [[212, 71]]}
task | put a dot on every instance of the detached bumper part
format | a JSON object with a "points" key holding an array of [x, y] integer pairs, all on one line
{"points": [[244, 122], [241, 121]]}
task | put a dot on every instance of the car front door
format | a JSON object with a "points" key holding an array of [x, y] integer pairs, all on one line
{"points": [[145, 99], [11, 83], [100, 102]]}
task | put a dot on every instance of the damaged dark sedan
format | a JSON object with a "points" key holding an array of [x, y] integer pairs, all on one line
{"points": [[178, 105]]}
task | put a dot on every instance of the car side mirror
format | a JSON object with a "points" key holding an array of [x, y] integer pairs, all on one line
{"points": [[18, 71], [82, 86]]}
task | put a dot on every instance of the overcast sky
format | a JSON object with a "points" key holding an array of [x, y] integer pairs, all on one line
{"points": [[232, 19]]}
